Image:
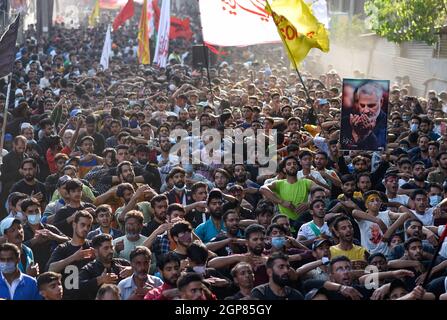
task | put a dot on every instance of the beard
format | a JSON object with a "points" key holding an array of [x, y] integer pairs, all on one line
{"points": [[280, 281], [217, 214], [291, 172], [130, 178], [257, 250], [29, 178], [180, 184]]}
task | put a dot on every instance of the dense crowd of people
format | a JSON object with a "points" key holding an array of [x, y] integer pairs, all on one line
{"points": [[96, 205]]}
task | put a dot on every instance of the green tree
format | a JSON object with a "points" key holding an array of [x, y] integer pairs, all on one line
{"points": [[407, 20]]}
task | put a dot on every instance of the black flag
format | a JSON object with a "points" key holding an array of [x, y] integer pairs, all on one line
{"points": [[8, 48]]}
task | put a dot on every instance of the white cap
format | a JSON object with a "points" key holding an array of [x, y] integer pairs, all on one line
{"points": [[25, 125]]}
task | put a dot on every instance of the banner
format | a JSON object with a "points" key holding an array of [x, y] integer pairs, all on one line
{"points": [[237, 23], [180, 28], [364, 114], [126, 13], [8, 47], [94, 16], [143, 37], [106, 50], [162, 46]]}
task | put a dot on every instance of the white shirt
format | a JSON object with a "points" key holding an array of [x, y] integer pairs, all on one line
{"points": [[127, 286], [12, 288], [371, 235], [443, 251], [307, 232], [321, 144], [314, 174], [427, 218], [400, 198]]}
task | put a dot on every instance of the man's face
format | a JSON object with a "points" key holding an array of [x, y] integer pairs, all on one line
{"points": [[244, 277], [82, 227], [320, 161], [348, 188], [265, 219], [423, 144], [215, 207], [28, 172], [306, 161], [232, 223], [15, 234], [192, 112], [368, 105], [193, 291], [293, 126], [443, 161], [115, 128], [405, 168], [341, 273], [90, 128], [345, 230], [291, 167], [133, 227], [179, 180], [319, 210], [184, 238], [105, 252], [380, 263], [433, 151], [424, 127], [391, 184], [240, 174], [75, 195], [200, 194], [419, 172], [414, 251], [360, 166], [48, 130], [28, 133], [280, 272], [414, 230], [364, 183], [104, 218], [122, 155], [220, 180], [140, 266], [397, 293], [87, 146], [322, 251], [160, 209], [256, 243], [19, 147], [52, 290], [127, 174], [8, 256], [165, 144], [421, 202], [171, 273]]}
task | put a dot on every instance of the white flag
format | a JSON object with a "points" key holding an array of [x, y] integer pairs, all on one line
{"points": [[237, 23], [162, 46], [107, 49], [319, 9]]}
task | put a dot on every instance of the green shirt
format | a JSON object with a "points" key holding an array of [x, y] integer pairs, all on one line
{"points": [[143, 206], [296, 193]]}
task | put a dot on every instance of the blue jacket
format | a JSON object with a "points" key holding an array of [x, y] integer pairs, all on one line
{"points": [[26, 289]]}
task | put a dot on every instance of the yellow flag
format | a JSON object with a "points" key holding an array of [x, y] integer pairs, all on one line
{"points": [[299, 29], [94, 16], [144, 55]]}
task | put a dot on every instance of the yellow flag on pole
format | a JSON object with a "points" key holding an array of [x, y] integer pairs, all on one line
{"points": [[144, 55], [94, 16], [299, 29]]}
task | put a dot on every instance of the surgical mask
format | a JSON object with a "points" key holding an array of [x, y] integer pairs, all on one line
{"points": [[34, 218], [179, 189], [414, 127], [199, 269], [278, 242], [132, 102], [7, 267], [435, 200]]}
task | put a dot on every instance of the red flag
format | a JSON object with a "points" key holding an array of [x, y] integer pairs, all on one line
{"points": [[214, 50], [156, 13], [126, 13], [180, 29]]}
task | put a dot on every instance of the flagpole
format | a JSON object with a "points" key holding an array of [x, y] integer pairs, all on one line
{"points": [[433, 260], [205, 54], [5, 116]]}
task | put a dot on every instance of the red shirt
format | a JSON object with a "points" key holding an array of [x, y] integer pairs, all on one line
{"points": [[157, 293], [50, 158]]}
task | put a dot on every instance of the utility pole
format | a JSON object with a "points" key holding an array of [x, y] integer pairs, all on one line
{"points": [[44, 16]]}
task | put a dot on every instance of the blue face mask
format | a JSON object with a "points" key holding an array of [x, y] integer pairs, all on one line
{"points": [[34, 218], [278, 242], [7, 267], [435, 200], [414, 127]]}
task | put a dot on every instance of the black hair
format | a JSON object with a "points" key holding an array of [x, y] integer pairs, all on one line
{"points": [[99, 239], [340, 219], [119, 169], [338, 259], [311, 206], [28, 202], [410, 241], [279, 216], [187, 278], [157, 199], [28, 160], [197, 252], [10, 247], [254, 228], [123, 187], [179, 227], [275, 226], [73, 184], [347, 178], [166, 258], [47, 278], [416, 192], [140, 250], [82, 214], [275, 256], [374, 255]]}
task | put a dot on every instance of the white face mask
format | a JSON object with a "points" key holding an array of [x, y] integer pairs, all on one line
{"points": [[34, 218], [199, 269]]}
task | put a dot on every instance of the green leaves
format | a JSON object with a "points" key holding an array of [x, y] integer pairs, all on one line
{"points": [[407, 20]]}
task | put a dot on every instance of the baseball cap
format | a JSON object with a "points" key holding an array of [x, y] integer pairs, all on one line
{"points": [[214, 193], [75, 112], [62, 180], [319, 242], [7, 223], [391, 172]]}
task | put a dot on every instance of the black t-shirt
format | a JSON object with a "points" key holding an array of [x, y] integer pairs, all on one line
{"points": [[62, 252], [149, 228], [42, 251], [263, 292], [228, 249], [22, 186], [60, 218], [195, 217], [412, 186], [333, 295]]}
